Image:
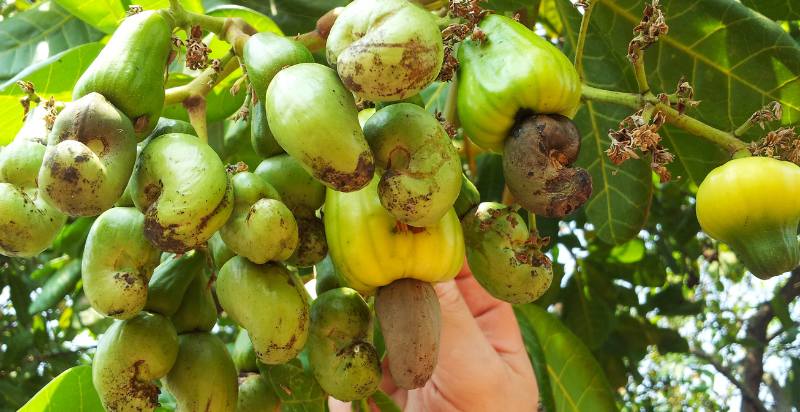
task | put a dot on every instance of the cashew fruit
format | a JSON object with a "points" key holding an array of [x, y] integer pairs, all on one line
{"points": [[261, 227], [118, 263], [198, 311], [244, 356], [468, 197], [312, 246], [28, 224], [411, 324], [421, 168], [130, 356], [737, 203], [203, 377], [314, 118], [511, 70], [220, 252], [298, 189], [90, 155], [280, 330], [166, 126], [170, 280], [236, 145], [504, 258], [265, 54], [371, 248], [341, 354], [34, 128], [537, 165], [385, 50], [261, 137], [129, 71], [256, 395], [181, 186]]}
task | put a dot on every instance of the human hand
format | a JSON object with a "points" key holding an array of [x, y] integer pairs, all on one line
{"points": [[483, 365]]}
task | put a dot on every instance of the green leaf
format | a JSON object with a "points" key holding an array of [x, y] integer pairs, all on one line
{"points": [[103, 15], [70, 391], [490, 181], [629, 252], [294, 16], [59, 285], [38, 33], [534, 349], [775, 9], [20, 297], [191, 5], [793, 383], [384, 402], [72, 237], [587, 315], [781, 309], [671, 301], [577, 381], [52, 77], [295, 386]]}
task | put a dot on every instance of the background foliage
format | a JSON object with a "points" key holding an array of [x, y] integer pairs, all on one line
{"points": [[647, 312]]}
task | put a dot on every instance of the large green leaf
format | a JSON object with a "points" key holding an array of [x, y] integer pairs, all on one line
{"points": [[775, 9], [52, 77], [576, 379], [534, 349], [61, 283], [295, 386], [103, 15], [587, 315], [294, 16], [70, 391], [38, 33]]}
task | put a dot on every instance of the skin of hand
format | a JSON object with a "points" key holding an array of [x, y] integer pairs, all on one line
{"points": [[483, 365]]}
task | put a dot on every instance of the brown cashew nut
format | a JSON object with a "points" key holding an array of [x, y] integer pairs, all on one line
{"points": [[537, 163]]}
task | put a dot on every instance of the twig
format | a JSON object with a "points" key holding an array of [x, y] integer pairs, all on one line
{"points": [[727, 373], [587, 14]]}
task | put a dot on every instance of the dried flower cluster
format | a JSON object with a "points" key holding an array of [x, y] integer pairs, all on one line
{"points": [[196, 51], [648, 30], [134, 9], [471, 13], [637, 137], [781, 144]]}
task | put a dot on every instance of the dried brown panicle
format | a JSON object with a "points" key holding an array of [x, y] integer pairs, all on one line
{"points": [[134, 9], [472, 13], [196, 51], [30, 96], [637, 137], [781, 144], [648, 30]]}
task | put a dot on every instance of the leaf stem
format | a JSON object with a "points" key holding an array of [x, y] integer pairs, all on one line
{"points": [[639, 72], [635, 101], [587, 14]]}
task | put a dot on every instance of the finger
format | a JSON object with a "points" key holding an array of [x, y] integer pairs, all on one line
{"points": [[398, 395]]}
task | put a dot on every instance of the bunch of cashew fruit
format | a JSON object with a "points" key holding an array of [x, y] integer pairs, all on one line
{"points": [[377, 201]]}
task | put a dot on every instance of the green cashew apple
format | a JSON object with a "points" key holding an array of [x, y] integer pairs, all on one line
{"points": [[118, 263], [244, 356], [327, 276], [203, 378], [421, 168], [301, 193], [236, 145], [505, 259], [130, 356], [265, 54], [261, 227], [256, 395], [220, 252], [385, 50], [537, 165], [314, 118], [753, 205], [509, 72], [129, 71], [468, 197], [181, 186], [35, 127], [312, 246], [170, 280], [278, 331], [341, 354], [89, 159], [198, 311], [166, 126], [261, 137], [28, 223]]}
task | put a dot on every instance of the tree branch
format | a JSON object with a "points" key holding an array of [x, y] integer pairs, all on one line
{"points": [[727, 373]]}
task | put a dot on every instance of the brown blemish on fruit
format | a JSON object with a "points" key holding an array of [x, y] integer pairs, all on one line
{"points": [[344, 181]]}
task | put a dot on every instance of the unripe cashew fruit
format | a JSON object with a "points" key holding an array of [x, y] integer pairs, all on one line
{"points": [[166, 126], [411, 324], [421, 168], [537, 164], [170, 281], [312, 246], [265, 54], [341, 354], [203, 378], [236, 145], [181, 186], [385, 50], [117, 263], [244, 356], [261, 227], [90, 155], [468, 197], [256, 395], [371, 248], [35, 128], [504, 258], [301, 193], [198, 312], [279, 331], [326, 275], [131, 355], [512, 69], [220, 252], [753, 205], [129, 71], [261, 137], [314, 118], [28, 224]]}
